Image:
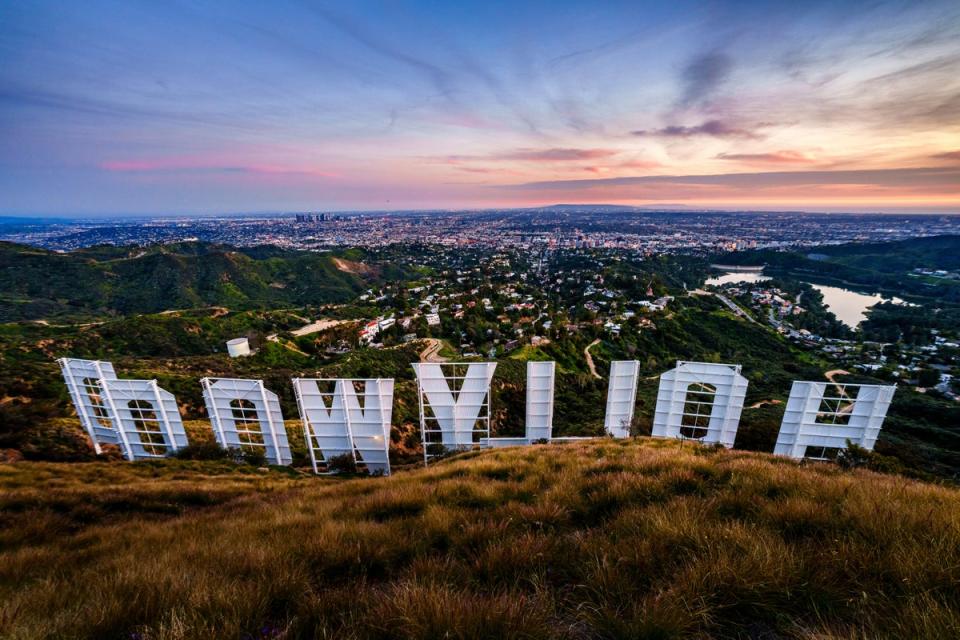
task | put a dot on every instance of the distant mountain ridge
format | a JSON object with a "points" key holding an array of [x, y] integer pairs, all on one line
{"points": [[108, 280]]}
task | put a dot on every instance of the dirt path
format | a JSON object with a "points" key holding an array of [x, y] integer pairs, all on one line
{"points": [[216, 311], [319, 325], [65, 326], [763, 403], [830, 375], [349, 266], [590, 365], [432, 351]]}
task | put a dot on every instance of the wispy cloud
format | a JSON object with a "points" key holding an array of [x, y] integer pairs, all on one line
{"points": [[558, 154], [773, 157], [237, 104], [531, 155], [911, 177], [712, 128], [703, 75], [639, 164], [442, 80], [177, 165]]}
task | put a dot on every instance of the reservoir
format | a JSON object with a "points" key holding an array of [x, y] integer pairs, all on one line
{"points": [[850, 307], [737, 276]]}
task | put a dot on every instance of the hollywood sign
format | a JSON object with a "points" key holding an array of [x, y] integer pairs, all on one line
{"points": [[696, 401]]}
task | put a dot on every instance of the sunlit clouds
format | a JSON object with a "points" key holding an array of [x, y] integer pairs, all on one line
{"points": [[234, 107]]}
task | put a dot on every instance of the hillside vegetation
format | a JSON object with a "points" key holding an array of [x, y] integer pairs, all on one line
{"points": [[180, 348], [882, 267], [103, 281], [628, 539]]}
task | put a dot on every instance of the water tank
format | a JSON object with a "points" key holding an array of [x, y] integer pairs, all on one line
{"points": [[238, 347]]}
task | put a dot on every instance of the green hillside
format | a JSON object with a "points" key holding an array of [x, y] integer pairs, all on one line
{"points": [[178, 349], [885, 267], [940, 252], [922, 430], [106, 281], [629, 539]]}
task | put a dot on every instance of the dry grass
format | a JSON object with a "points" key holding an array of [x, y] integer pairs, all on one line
{"points": [[603, 540], [41, 503]]}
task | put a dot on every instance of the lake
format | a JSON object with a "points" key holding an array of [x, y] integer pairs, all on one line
{"points": [[850, 307], [732, 277]]}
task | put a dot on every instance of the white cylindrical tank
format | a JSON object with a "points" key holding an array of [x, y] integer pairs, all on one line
{"points": [[238, 347]]}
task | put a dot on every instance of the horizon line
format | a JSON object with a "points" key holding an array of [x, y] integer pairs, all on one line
{"points": [[678, 209]]}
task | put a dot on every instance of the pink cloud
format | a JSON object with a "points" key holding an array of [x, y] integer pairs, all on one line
{"points": [[949, 155], [775, 157], [557, 154], [630, 164], [639, 164], [477, 169]]}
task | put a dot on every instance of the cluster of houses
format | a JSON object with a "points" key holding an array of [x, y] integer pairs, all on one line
{"points": [[501, 285], [370, 330], [935, 273]]}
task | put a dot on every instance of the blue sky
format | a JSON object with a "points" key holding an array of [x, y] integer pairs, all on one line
{"points": [[193, 107]]}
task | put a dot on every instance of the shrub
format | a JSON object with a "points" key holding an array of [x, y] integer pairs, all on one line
{"points": [[855, 456], [203, 451], [342, 464], [254, 456]]}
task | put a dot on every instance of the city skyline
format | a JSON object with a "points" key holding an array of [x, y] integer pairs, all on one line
{"points": [[177, 109]]}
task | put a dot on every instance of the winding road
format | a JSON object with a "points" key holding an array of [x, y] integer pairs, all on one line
{"points": [[733, 306], [431, 352]]}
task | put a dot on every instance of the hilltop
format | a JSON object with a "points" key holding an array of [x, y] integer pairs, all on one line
{"points": [[108, 281], [606, 539]]}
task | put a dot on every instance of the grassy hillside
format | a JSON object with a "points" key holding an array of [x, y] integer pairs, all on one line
{"points": [[102, 281], [602, 540]]}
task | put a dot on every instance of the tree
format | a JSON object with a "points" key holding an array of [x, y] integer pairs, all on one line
{"points": [[928, 378]]}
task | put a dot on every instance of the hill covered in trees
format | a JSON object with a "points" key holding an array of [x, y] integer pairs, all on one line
{"points": [[109, 281], [884, 267], [178, 347]]}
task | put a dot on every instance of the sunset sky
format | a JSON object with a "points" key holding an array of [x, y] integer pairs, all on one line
{"points": [[186, 107]]}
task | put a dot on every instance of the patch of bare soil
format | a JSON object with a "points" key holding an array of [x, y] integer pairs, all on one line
{"points": [[349, 266]]}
